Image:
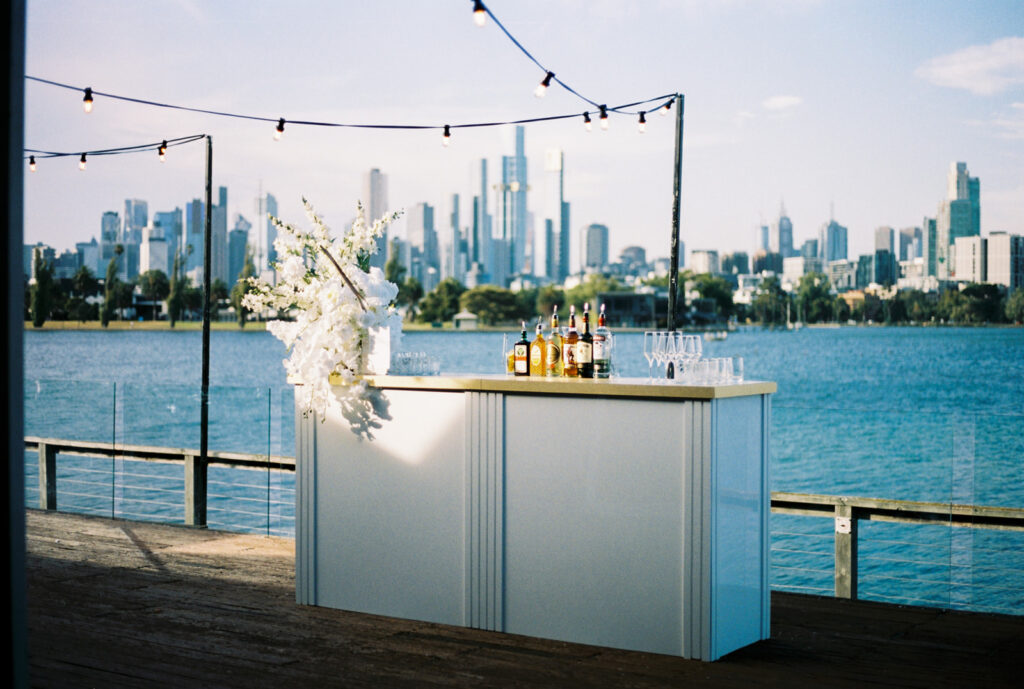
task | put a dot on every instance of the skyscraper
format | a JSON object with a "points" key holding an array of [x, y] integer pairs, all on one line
{"points": [[169, 224], [511, 204], [195, 223], [959, 215], [219, 239], [832, 242], [595, 246], [782, 234], [136, 217], [375, 205], [422, 238], [238, 240], [556, 217]]}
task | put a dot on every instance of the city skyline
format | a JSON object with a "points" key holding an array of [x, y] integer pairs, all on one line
{"points": [[807, 133]]}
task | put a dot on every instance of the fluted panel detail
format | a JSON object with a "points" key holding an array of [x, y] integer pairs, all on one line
{"points": [[485, 491]]}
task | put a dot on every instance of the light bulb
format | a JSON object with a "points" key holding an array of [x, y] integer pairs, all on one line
{"points": [[81, 162], [542, 87], [280, 130], [163, 151], [604, 117], [32, 163], [87, 100], [586, 121], [479, 13], [642, 124], [447, 138], [665, 108]]}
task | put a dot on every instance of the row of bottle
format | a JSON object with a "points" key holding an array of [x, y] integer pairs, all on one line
{"points": [[583, 354]]}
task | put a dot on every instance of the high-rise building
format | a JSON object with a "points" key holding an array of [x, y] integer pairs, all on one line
{"points": [[89, 255], [884, 239], [238, 244], [809, 249], [767, 262], [782, 234], [195, 227], [136, 218], [633, 259], [958, 216], [375, 206], [422, 238], [704, 261], [1006, 260], [454, 259], [832, 242], [971, 256], [511, 206], [909, 244], [110, 232], [764, 238], [595, 246], [481, 245], [556, 217], [736, 263], [169, 225], [219, 239], [929, 242], [153, 251]]}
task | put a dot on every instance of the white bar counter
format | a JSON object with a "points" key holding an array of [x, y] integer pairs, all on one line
{"points": [[609, 512]]}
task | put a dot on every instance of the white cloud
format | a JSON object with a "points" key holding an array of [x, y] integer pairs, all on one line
{"points": [[742, 117], [981, 69], [781, 102]]}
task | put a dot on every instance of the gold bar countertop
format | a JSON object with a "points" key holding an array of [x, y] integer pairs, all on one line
{"points": [[589, 387]]}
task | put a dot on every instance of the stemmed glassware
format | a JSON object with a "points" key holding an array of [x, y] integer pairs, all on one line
{"points": [[650, 339]]}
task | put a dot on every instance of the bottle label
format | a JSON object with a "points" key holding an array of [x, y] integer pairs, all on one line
{"points": [[600, 351], [554, 355], [536, 352], [584, 353], [522, 366], [569, 355]]}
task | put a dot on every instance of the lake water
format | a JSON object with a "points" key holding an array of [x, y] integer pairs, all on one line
{"points": [[933, 414]]}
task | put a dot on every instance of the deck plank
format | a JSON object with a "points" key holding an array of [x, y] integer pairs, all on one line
{"points": [[128, 604]]}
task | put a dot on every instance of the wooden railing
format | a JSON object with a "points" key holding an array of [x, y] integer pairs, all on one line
{"points": [[846, 512], [195, 467]]}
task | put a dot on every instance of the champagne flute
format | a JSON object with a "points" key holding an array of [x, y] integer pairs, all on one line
{"points": [[649, 338]]}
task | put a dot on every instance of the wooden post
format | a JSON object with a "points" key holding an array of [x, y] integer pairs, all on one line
{"points": [[47, 476], [195, 490], [846, 552]]}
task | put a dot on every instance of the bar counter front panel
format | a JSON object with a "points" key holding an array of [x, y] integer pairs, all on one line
{"points": [[613, 513]]}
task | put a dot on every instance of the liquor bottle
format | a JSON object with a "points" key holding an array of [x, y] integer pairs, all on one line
{"points": [[522, 354], [553, 360], [585, 346], [602, 347], [538, 352], [569, 367]]}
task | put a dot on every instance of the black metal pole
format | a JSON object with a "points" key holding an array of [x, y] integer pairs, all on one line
{"points": [[673, 275], [677, 172], [204, 418]]}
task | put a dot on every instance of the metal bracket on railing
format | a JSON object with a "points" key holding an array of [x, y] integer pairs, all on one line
{"points": [[843, 525]]}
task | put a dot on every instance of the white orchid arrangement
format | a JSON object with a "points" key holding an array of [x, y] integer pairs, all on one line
{"points": [[335, 299]]}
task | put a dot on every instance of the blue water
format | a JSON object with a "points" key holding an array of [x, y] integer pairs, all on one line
{"points": [[906, 413]]}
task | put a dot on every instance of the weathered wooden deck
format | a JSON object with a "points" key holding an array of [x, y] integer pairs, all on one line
{"points": [[128, 604]]}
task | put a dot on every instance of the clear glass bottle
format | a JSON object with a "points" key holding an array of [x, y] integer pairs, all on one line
{"points": [[569, 367], [553, 360], [585, 347], [602, 347], [538, 352]]}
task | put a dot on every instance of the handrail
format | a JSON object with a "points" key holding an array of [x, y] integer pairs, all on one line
{"points": [[846, 511]]}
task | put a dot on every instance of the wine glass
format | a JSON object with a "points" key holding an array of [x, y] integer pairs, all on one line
{"points": [[649, 341]]}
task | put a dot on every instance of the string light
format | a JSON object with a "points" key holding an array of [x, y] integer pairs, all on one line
{"points": [[160, 147], [604, 117], [642, 124], [447, 138], [586, 122], [81, 162], [479, 13], [542, 87], [665, 108], [280, 130], [163, 151], [87, 100], [32, 163]]}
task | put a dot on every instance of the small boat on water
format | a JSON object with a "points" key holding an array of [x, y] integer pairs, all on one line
{"points": [[710, 335]]}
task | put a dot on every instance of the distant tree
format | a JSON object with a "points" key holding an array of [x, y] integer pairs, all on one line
{"points": [[588, 290], [110, 287], [717, 289], [178, 284], [490, 303], [218, 293], [409, 294], [242, 287], [916, 305], [154, 286], [769, 303], [192, 298], [952, 306], [814, 300], [1015, 306], [42, 291], [526, 304], [443, 302], [84, 283], [984, 303], [547, 298], [394, 271]]}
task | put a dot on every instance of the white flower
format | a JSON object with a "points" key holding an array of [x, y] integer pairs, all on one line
{"points": [[335, 304]]}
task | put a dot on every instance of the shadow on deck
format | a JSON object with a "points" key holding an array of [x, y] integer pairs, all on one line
{"points": [[130, 604]]}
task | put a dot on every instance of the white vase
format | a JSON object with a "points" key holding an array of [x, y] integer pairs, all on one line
{"points": [[375, 355]]}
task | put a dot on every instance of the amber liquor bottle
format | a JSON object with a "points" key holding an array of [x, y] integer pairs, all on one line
{"points": [[569, 367], [553, 360], [585, 347]]}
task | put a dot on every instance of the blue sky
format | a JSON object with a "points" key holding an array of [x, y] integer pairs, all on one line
{"points": [[860, 106]]}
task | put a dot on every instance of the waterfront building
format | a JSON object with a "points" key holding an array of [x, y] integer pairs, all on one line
{"points": [[510, 204], [66, 265], [1005, 260], [865, 271], [959, 215], [764, 242], [929, 242], [884, 239], [767, 262], [832, 242], [970, 254], [89, 255], [556, 216], [704, 261], [195, 222], [219, 239], [736, 263], [795, 267], [28, 258], [266, 206], [595, 246], [809, 249], [169, 225], [886, 269], [238, 244], [842, 274], [909, 243], [110, 230]]}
